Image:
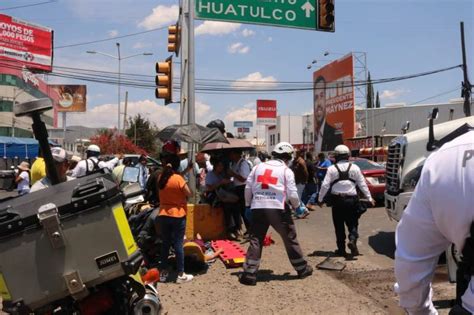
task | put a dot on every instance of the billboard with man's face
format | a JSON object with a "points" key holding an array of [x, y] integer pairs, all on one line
{"points": [[26, 44], [334, 110]]}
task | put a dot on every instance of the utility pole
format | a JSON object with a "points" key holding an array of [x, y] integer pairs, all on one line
{"points": [[125, 112], [466, 85]]}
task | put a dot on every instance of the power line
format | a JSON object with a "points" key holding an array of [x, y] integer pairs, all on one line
{"points": [[27, 5], [101, 77], [113, 38]]}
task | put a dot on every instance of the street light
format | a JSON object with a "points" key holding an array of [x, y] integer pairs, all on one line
{"points": [[119, 58], [315, 61]]}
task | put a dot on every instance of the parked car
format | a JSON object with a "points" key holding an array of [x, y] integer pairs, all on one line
{"points": [[374, 174], [151, 162]]}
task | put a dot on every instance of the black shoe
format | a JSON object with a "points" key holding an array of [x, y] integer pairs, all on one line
{"points": [[308, 271], [340, 253], [248, 278], [353, 247]]}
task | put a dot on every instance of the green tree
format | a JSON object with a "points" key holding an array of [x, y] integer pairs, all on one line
{"points": [[377, 100], [370, 93], [143, 134]]}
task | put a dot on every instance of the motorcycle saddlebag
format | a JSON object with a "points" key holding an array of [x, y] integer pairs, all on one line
{"points": [[62, 240]]}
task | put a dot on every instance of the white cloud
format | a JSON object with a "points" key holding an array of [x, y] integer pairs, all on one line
{"points": [[238, 48], [269, 39], [247, 33], [255, 79], [112, 33], [141, 45], [160, 16], [105, 116], [245, 114], [216, 28], [203, 113], [392, 94]]}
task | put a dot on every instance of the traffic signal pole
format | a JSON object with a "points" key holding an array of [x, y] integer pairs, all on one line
{"points": [[187, 81]]}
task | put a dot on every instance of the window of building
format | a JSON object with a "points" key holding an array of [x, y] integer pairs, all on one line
{"points": [[6, 106], [278, 137]]}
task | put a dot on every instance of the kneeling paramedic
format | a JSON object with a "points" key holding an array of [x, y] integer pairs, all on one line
{"points": [[440, 212], [341, 182], [268, 187]]}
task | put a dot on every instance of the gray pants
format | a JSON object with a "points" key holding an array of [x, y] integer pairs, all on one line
{"points": [[282, 222]]}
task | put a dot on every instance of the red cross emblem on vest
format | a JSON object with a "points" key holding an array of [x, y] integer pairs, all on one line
{"points": [[267, 179]]}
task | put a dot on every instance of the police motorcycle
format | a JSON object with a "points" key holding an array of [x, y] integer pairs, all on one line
{"points": [[68, 249], [141, 218]]}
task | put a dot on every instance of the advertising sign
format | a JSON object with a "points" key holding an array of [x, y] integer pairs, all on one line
{"points": [[266, 112], [71, 98], [334, 110], [243, 130], [244, 124], [26, 43]]}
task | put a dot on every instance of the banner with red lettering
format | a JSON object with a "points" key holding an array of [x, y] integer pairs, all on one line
{"points": [[334, 110], [25, 43], [266, 112]]}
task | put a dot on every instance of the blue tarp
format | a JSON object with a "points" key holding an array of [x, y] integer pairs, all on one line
{"points": [[22, 148]]}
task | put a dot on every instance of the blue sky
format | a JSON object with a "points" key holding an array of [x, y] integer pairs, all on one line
{"points": [[399, 37]]}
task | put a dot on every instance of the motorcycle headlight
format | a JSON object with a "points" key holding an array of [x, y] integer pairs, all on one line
{"points": [[411, 179]]}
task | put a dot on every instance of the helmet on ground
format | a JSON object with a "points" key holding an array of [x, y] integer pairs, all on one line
{"points": [[93, 148], [217, 123], [283, 147], [342, 150]]}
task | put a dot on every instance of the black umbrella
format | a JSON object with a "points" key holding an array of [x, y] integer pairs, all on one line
{"points": [[192, 133]]}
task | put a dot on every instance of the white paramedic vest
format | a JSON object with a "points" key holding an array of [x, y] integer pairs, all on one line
{"points": [[271, 184]]}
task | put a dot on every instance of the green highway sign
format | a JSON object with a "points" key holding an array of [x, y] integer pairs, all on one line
{"points": [[286, 13]]}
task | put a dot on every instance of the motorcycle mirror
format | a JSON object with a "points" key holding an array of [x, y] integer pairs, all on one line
{"points": [[130, 174]]}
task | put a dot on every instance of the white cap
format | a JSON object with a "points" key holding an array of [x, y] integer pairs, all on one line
{"points": [[283, 147], [342, 149], [93, 148], [59, 154]]}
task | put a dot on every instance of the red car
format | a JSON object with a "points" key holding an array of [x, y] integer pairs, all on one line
{"points": [[374, 174]]}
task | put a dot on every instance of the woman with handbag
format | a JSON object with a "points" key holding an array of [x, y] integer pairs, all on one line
{"points": [[173, 192]]}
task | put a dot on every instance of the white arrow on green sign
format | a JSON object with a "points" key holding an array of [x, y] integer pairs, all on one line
{"points": [[286, 13]]}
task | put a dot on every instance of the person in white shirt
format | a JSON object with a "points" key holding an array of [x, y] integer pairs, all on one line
{"points": [[61, 161], [92, 163], [269, 187], [341, 182], [23, 178], [144, 172], [440, 212], [240, 169]]}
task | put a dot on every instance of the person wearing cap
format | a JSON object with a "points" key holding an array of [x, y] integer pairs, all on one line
{"points": [[341, 182], [23, 178], [92, 164], [61, 162], [268, 190]]}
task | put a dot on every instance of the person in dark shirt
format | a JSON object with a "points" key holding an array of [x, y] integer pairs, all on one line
{"points": [[310, 187]]}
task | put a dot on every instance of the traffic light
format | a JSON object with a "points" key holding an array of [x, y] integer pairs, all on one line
{"points": [[164, 80], [326, 15], [174, 38]]}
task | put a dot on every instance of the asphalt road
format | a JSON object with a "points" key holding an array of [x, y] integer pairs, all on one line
{"points": [[365, 286]]}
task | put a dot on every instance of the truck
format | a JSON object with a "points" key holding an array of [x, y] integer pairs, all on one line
{"points": [[407, 154]]}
